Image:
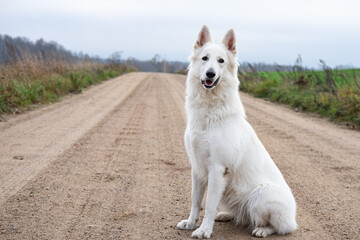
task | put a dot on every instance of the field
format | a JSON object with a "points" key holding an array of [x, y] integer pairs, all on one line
{"points": [[334, 94], [110, 163], [33, 73], [25, 84]]}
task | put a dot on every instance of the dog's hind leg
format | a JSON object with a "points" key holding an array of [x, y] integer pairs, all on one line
{"points": [[223, 217], [282, 222], [278, 224], [272, 210]]}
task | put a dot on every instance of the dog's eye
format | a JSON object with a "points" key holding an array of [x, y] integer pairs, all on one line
{"points": [[205, 58], [221, 60]]}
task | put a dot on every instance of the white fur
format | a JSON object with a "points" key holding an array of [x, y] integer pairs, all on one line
{"points": [[225, 153]]}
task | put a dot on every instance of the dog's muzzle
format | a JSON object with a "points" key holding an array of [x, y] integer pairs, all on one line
{"points": [[210, 83]]}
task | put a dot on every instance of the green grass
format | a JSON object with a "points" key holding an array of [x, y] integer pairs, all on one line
{"points": [[21, 93], [342, 78], [334, 94]]}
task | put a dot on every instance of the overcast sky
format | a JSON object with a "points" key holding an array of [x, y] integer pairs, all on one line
{"points": [[267, 30]]}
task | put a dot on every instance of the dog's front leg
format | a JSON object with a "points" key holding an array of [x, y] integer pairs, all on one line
{"points": [[198, 188], [216, 187]]}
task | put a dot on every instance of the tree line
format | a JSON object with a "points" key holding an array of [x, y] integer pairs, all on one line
{"points": [[14, 49], [17, 49]]}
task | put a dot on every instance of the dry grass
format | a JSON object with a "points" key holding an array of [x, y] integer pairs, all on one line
{"points": [[32, 80]]}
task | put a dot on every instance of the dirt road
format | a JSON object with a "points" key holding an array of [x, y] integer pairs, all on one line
{"points": [[110, 164]]}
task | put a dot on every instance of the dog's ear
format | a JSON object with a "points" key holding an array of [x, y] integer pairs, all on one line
{"points": [[204, 37], [229, 41]]}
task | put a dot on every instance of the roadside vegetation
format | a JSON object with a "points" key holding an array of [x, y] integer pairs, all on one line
{"points": [[332, 93], [42, 72]]}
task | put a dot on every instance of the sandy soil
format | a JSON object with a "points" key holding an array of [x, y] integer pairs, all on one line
{"points": [[110, 164]]}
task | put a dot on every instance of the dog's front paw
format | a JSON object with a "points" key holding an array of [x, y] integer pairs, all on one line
{"points": [[186, 225], [202, 233]]}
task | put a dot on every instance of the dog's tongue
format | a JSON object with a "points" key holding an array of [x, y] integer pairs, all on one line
{"points": [[208, 82]]}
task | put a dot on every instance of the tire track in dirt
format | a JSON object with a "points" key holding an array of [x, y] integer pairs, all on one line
{"points": [[128, 176], [104, 186], [31, 144], [125, 127]]}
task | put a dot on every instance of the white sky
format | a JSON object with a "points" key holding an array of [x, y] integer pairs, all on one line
{"points": [[267, 30]]}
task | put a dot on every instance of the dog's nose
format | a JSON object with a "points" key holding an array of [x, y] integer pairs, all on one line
{"points": [[210, 73]]}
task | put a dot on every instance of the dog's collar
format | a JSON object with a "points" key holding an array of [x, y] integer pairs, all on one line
{"points": [[209, 87]]}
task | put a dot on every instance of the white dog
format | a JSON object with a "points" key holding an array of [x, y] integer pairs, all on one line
{"points": [[225, 153]]}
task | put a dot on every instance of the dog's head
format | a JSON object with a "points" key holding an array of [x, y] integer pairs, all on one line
{"points": [[210, 62]]}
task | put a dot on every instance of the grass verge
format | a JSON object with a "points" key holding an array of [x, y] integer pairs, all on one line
{"points": [[22, 87], [334, 94]]}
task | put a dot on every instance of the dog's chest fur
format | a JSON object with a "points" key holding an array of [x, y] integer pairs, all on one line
{"points": [[208, 114]]}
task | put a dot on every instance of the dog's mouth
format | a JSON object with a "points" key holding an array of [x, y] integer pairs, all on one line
{"points": [[210, 83]]}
